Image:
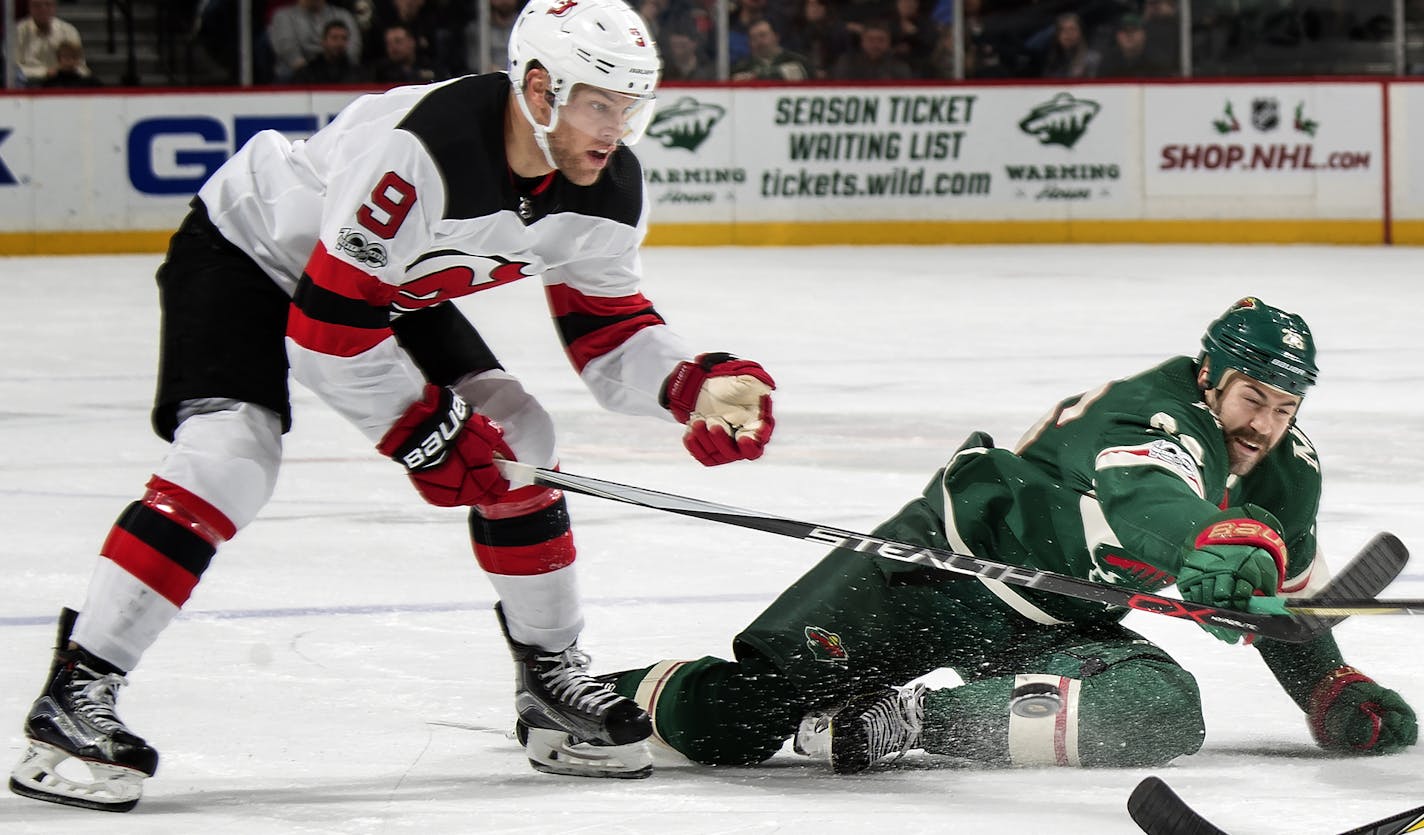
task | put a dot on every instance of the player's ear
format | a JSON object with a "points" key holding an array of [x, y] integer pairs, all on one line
{"points": [[537, 93]]}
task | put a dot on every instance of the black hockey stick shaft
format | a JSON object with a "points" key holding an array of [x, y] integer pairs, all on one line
{"points": [[1158, 810], [1277, 626], [1339, 608]]}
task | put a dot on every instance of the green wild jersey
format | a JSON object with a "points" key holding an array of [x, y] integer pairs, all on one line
{"points": [[1112, 484]]}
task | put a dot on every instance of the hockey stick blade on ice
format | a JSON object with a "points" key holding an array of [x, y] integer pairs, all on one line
{"points": [[1158, 810], [1275, 625]]}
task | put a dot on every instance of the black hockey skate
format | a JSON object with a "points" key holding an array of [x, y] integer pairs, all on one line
{"points": [[572, 723], [71, 726], [877, 725]]}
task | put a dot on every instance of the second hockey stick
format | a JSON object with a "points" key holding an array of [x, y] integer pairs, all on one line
{"points": [[1158, 810], [1270, 625]]}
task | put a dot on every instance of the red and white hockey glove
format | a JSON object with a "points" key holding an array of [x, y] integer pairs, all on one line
{"points": [[448, 450], [1350, 712], [1236, 555], [725, 403]]}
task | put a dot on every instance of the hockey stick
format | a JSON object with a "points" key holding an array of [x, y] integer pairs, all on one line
{"points": [[1360, 582], [1328, 607], [1158, 810], [1276, 624]]}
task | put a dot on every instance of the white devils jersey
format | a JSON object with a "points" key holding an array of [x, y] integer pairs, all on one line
{"points": [[405, 201]]}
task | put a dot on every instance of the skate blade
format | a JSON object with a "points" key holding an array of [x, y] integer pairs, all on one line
{"points": [[109, 788], [555, 752]]}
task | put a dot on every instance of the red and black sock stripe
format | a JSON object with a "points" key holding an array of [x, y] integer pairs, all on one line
{"points": [[167, 539], [533, 543]]}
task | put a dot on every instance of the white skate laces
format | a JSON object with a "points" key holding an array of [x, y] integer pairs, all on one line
{"points": [[567, 680], [93, 698]]}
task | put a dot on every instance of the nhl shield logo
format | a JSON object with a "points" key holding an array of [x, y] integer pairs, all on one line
{"points": [[825, 645], [1265, 114]]}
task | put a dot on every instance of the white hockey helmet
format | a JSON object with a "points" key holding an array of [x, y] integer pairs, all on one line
{"points": [[601, 43]]}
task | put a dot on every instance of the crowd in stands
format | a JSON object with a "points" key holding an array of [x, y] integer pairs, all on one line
{"points": [[312, 42], [397, 41], [48, 49]]}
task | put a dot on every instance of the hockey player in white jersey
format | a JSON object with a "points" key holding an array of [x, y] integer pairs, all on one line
{"points": [[335, 259]]}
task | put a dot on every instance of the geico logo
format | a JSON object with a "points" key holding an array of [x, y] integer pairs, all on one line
{"points": [[6, 177], [177, 154]]}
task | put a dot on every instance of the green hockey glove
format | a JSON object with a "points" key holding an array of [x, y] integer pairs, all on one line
{"points": [[1237, 554], [1350, 712]]}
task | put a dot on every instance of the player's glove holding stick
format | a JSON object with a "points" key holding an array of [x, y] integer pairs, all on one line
{"points": [[1236, 555], [725, 403], [448, 450]]}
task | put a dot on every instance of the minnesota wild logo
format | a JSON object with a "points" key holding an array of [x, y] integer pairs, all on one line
{"points": [[1060, 121], [825, 645], [686, 124]]}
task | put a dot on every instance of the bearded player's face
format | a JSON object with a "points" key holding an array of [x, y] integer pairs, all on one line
{"points": [[1254, 418]]}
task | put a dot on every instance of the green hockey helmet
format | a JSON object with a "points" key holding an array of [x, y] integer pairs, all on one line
{"points": [[1262, 342]]}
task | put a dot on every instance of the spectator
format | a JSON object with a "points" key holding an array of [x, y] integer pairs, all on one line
{"points": [[1069, 55], [857, 14], [817, 32], [1128, 57], [682, 57], [653, 12], [873, 60], [37, 40], [744, 14], [693, 17], [502, 16], [427, 21], [401, 65], [218, 23], [913, 35], [70, 70], [988, 53], [296, 31], [1164, 34], [768, 61], [941, 61], [333, 65]]}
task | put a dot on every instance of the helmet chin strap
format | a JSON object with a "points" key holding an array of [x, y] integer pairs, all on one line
{"points": [[541, 133]]}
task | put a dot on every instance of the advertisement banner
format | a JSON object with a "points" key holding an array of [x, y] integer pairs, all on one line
{"points": [[1277, 149], [1277, 160], [1407, 119], [912, 153]]}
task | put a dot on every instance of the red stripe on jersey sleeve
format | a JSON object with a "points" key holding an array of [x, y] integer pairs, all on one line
{"points": [[331, 273], [585, 349], [330, 339], [564, 300]]}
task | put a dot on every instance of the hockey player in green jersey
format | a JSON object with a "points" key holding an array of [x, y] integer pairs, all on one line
{"points": [[1192, 472]]}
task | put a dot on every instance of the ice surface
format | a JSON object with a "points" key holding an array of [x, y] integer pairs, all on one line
{"points": [[339, 669]]}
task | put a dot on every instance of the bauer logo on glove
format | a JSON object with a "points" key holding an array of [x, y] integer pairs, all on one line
{"points": [[725, 403], [448, 450], [431, 451]]}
